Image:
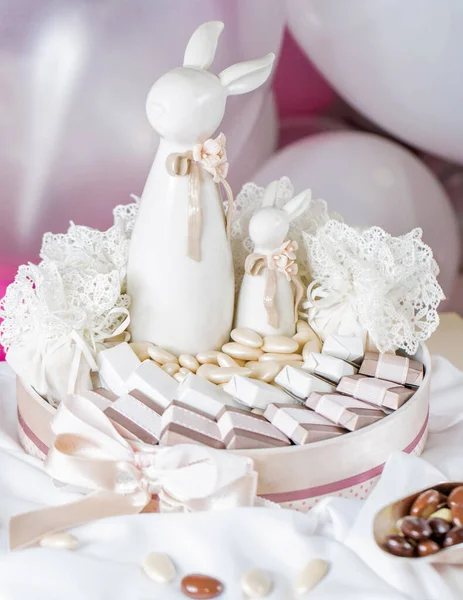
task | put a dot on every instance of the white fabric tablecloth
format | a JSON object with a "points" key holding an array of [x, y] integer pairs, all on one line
{"points": [[225, 544]]}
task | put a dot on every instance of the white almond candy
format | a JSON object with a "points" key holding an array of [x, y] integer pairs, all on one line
{"points": [[442, 513], [265, 370], [224, 374], [257, 411], [209, 357], [280, 344], [171, 368], [189, 362], [274, 356], [314, 571], [206, 369], [256, 583], [302, 338], [161, 356], [182, 373], [314, 345], [159, 567], [240, 351], [141, 349], [59, 541], [247, 337], [303, 326], [226, 361]]}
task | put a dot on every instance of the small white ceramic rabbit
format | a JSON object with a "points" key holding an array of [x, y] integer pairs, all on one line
{"points": [[268, 229], [181, 299]]}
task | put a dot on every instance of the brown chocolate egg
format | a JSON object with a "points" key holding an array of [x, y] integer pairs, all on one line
{"points": [[415, 528], [427, 547], [201, 587], [454, 536], [400, 546], [440, 527], [456, 496], [426, 503], [457, 514]]}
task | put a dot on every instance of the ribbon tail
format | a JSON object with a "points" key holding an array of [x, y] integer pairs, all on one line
{"points": [[229, 193], [269, 298], [298, 296], [194, 214], [28, 528]]}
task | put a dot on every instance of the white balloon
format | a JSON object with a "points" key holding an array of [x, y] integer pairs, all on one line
{"points": [[399, 63], [372, 181], [75, 76]]}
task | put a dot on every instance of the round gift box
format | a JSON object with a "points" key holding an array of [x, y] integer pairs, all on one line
{"points": [[296, 476]]}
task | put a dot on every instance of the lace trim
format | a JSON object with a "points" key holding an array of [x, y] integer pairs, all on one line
{"points": [[390, 282]]}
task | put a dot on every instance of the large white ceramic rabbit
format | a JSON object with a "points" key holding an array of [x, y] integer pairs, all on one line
{"points": [[271, 289], [180, 270]]}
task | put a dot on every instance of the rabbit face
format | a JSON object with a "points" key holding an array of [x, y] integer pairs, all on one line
{"points": [[186, 105], [268, 228]]}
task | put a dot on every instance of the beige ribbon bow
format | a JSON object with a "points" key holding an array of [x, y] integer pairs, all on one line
{"points": [[212, 157], [88, 452], [281, 260]]}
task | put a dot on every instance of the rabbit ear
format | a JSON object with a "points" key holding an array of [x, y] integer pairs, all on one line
{"points": [[270, 194], [201, 48], [247, 76], [297, 205]]}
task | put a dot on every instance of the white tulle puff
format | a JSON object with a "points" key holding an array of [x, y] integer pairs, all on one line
{"points": [[386, 284], [81, 279]]}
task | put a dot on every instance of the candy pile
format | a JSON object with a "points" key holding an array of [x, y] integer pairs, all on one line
{"points": [[256, 393], [434, 522], [248, 355]]}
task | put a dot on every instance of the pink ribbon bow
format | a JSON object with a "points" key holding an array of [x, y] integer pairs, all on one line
{"points": [[88, 452], [281, 260], [212, 156]]}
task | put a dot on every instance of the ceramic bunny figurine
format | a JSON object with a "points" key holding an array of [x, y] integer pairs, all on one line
{"points": [[180, 270], [271, 289]]}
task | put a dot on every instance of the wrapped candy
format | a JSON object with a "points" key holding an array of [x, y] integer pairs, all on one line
{"points": [[369, 282], [57, 315]]}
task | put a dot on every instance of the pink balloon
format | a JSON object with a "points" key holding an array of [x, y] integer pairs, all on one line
{"points": [[75, 76], [257, 147], [299, 87], [373, 181], [399, 63]]}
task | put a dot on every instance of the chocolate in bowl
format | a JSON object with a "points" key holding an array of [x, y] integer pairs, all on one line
{"points": [[385, 525]]}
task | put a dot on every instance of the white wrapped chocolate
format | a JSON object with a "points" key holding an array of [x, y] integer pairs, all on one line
{"points": [[348, 348], [328, 367], [201, 394], [255, 394], [300, 383], [369, 281]]}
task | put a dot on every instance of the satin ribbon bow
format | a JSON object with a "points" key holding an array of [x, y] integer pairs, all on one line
{"points": [[212, 156], [333, 311], [88, 452], [281, 260]]}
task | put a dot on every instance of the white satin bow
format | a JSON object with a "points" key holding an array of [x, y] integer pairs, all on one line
{"points": [[88, 452]]}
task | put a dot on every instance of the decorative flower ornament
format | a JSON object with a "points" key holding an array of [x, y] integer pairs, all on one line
{"points": [[212, 155], [283, 259]]}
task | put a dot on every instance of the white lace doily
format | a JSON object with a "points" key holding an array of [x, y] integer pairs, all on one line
{"points": [[81, 279], [390, 281], [249, 200]]}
